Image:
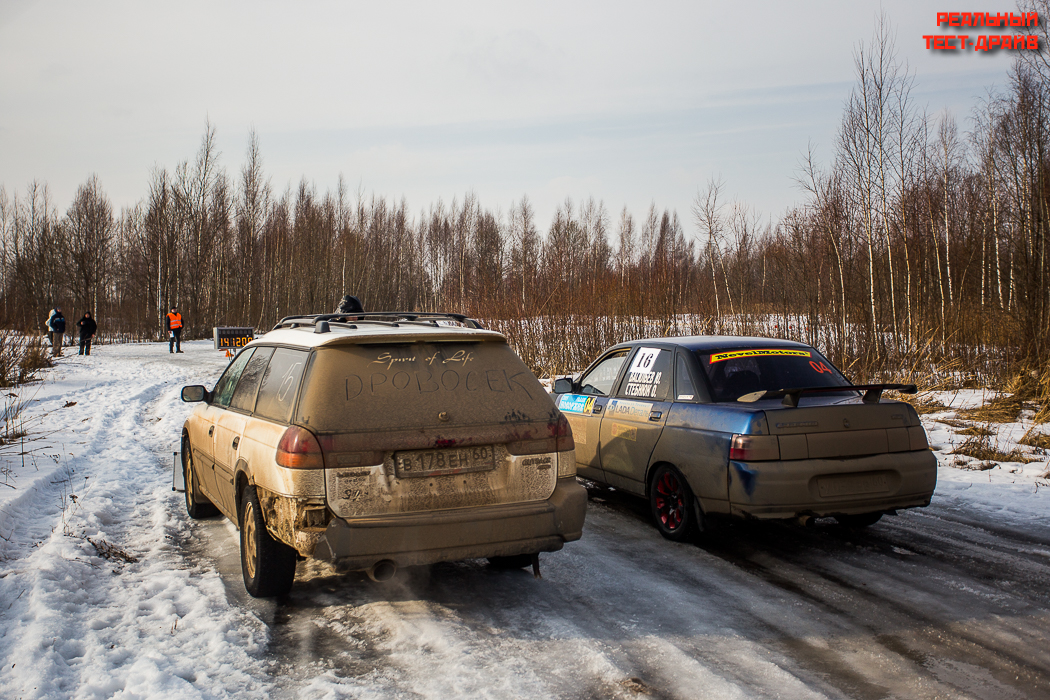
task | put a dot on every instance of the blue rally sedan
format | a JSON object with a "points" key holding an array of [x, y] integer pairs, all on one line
{"points": [[748, 427]]}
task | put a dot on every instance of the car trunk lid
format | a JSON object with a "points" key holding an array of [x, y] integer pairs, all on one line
{"points": [[845, 428]]}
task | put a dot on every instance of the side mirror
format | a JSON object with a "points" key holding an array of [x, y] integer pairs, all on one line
{"points": [[195, 393], [563, 386]]}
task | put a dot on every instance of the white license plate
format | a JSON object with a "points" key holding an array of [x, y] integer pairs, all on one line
{"points": [[852, 485], [441, 462]]}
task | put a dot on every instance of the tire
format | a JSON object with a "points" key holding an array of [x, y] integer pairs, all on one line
{"points": [[672, 504], [517, 561], [268, 566], [858, 521], [197, 504]]}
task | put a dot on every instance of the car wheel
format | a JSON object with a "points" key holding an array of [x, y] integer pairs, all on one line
{"points": [[268, 565], [858, 521], [518, 561], [197, 504], [672, 504]]}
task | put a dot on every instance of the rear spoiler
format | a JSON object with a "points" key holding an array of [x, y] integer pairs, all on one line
{"points": [[872, 392]]}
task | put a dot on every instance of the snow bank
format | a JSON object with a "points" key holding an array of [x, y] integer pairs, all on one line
{"points": [[1009, 491]]}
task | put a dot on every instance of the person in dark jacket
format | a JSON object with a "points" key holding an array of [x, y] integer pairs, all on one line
{"points": [[58, 329], [87, 328], [47, 326]]}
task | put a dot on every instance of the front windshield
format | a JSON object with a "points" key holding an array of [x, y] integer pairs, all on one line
{"points": [[734, 373]]}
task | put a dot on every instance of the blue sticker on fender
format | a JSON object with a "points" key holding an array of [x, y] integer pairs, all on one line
{"points": [[574, 403]]}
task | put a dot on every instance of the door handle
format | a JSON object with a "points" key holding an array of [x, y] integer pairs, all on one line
{"points": [[596, 409], [655, 415], [211, 430], [236, 441]]}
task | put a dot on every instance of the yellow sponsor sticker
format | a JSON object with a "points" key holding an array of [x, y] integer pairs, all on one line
{"points": [[625, 432], [770, 352]]}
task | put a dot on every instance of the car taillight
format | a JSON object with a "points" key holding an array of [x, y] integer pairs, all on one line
{"points": [[564, 435], [754, 448], [560, 441], [299, 449], [917, 438]]}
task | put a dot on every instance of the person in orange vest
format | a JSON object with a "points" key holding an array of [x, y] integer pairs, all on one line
{"points": [[174, 321]]}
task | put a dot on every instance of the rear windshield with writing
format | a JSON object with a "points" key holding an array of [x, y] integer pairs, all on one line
{"points": [[405, 387], [734, 373]]}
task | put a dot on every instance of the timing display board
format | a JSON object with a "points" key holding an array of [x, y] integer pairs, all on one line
{"points": [[229, 337]]}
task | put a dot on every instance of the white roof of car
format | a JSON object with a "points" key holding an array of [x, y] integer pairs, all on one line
{"points": [[339, 334]]}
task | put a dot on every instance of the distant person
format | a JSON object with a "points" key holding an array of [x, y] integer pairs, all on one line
{"points": [[58, 329], [87, 328], [174, 322], [349, 304], [47, 327]]}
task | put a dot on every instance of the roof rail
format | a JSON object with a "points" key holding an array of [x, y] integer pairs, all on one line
{"points": [[385, 318]]}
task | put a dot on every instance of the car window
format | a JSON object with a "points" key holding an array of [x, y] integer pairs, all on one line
{"points": [[649, 375], [411, 386], [736, 372], [684, 390], [228, 381], [599, 381], [279, 384], [244, 394]]}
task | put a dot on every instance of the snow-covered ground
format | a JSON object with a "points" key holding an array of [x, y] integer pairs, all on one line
{"points": [[107, 589], [140, 623], [1013, 491]]}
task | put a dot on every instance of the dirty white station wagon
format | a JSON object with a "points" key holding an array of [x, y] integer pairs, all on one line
{"points": [[381, 440]]}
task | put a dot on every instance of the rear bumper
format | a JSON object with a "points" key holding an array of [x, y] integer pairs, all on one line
{"points": [[425, 538], [822, 487]]}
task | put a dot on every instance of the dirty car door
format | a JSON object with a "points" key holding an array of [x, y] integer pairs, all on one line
{"points": [[632, 422], [584, 411], [229, 426], [221, 395]]}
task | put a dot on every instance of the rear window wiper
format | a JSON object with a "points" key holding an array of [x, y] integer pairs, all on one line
{"points": [[872, 392]]}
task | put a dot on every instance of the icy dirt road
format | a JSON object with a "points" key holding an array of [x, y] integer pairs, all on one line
{"points": [[949, 601]]}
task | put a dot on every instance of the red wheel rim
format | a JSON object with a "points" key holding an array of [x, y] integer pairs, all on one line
{"points": [[670, 501]]}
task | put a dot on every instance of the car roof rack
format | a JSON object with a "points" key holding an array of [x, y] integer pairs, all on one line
{"points": [[381, 318]]}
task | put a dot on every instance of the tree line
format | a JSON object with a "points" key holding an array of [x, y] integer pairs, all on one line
{"points": [[920, 244]]}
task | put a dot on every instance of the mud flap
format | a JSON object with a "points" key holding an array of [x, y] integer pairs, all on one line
{"points": [[178, 476], [701, 522]]}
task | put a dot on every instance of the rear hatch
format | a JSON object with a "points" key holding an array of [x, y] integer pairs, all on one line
{"points": [[423, 426]]}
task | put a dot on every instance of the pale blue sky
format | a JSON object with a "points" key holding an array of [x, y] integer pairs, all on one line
{"points": [[629, 103]]}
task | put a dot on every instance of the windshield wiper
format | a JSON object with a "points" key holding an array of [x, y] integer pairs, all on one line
{"points": [[872, 392]]}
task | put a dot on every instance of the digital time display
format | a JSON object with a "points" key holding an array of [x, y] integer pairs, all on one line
{"points": [[229, 337]]}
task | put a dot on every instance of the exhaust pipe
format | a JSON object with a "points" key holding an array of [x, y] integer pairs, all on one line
{"points": [[382, 571]]}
